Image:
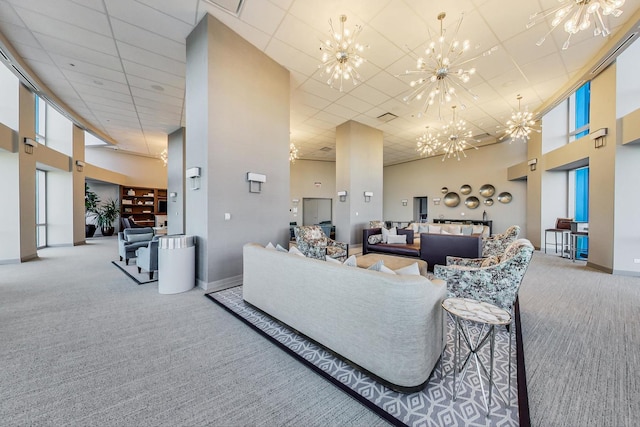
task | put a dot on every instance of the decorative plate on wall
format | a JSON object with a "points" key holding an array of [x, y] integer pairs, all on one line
{"points": [[487, 190], [472, 202], [504, 197], [451, 199], [465, 189], [488, 202], [444, 190]]}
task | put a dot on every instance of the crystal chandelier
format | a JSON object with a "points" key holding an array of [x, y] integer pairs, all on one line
{"points": [[341, 55], [456, 138], [520, 125], [164, 157], [428, 144], [293, 152], [441, 70], [577, 15]]}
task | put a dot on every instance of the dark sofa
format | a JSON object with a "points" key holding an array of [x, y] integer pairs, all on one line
{"points": [[433, 248]]}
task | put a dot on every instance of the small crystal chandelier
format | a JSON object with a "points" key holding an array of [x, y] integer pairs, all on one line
{"points": [[441, 71], [520, 125], [293, 152], [456, 138], [164, 157], [577, 15], [428, 144], [341, 55]]}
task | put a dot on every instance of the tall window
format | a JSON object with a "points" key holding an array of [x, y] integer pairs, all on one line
{"points": [[41, 208], [582, 204], [579, 112], [41, 120]]}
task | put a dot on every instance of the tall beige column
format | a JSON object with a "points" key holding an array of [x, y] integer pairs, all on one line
{"points": [[359, 169]]}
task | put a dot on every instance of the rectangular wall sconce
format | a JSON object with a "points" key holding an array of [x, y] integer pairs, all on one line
{"points": [[405, 202], [29, 145], [367, 196], [255, 181], [79, 165], [342, 195], [193, 174], [436, 200], [532, 164], [295, 201], [598, 137]]}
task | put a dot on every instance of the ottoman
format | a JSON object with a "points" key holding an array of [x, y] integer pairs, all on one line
{"points": [[391, 261]]}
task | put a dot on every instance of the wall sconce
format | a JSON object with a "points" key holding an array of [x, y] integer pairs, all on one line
{"points": [[532, 164], [342, 195], [295, 201], [598, 137], [194, 175], [29, 145], [367, 196], [79, 165], [404, 202], [255, 181], [318, 184], [436, 200]]}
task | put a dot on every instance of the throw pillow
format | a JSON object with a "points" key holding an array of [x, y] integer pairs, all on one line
{"points": [[454, 229], [143, 237], [414, 226], [349, 262], [489, 261], [281, 248], [331, 260], [478, 229], [375, 239], [270, 246], [295, 250], [409, 270], [467, 230], [386, 233], [435, 229], [379, 266], [401, 239], [444, 232]]}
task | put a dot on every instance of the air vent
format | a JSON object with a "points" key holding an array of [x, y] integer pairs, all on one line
{"points": [[613, 54], [387, 117], [325, 149], [234, 7]]}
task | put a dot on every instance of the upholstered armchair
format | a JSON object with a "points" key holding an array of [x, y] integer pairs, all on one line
{"points": [[496, 245], [495, 279], [313, 243], [147, 257], [377, 224], [130, 239]]}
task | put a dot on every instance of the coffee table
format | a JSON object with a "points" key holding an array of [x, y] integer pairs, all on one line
{"points": [[468, 310]]}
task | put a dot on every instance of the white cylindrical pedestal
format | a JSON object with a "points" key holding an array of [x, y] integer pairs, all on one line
{"points": [[176, 264]]}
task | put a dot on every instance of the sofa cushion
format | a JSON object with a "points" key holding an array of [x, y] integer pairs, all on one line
{"points": [[386, 233], [435, 229], [294, 250], [478, 229], [375, 239], [143, 237], [397, 239], [467, 230], [349, 262], [423, 228]]}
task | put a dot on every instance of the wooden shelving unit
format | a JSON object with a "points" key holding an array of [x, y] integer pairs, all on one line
{"points": [[142, 204]]}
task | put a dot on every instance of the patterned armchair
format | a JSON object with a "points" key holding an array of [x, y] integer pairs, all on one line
{"points": [[313, 243], [496, 245], [495, 279], [377, 224]]}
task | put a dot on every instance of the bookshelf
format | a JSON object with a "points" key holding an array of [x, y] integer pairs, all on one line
{"points": [[143, 204]]}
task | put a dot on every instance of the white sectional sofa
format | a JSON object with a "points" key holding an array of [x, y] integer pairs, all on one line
{"points": [[388, 325]]}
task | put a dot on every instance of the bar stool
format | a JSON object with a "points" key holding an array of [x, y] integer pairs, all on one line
{"points": [[563, 227]]}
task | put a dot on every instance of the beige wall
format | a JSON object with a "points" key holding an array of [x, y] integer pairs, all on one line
{"points": [[304, 175], [426, 177], [139, 171]]}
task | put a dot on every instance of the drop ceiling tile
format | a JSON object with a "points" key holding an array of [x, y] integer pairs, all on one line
{"points": [[108, 90], [320, 89], [265, 16], [93, 4], [147, 40], [388, 84], [144, 84], [73, 51], [54, 13], [250, 33], [185, 10], [155, 96], [153, 75], [8, 15], [340, 111], [510, 21], [17, 34], [85, 72], [310, 100], [367, 93], [47, 28], [291, 58], [400, 25]]}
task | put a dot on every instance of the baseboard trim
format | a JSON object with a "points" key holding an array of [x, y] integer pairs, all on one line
{"points": [[627, 273], [10, 261], [218, 285], [600, 267]]}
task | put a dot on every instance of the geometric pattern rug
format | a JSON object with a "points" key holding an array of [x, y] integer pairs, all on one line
{"points": [[131, 270], [431, 406]]}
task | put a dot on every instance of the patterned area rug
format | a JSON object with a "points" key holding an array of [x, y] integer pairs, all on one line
{"points": [[432, 406], [131, 270]]}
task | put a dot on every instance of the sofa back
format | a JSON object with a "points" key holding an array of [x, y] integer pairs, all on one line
{"points": [[434, 248], [366, 232], [389, 325]]}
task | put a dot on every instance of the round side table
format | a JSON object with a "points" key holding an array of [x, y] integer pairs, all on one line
{"points": [[465, 309]]}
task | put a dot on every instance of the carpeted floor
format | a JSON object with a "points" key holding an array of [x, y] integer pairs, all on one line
{"points": [[131, 271]]}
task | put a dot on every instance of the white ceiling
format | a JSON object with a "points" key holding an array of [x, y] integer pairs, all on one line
{"points": [[120, 64]]}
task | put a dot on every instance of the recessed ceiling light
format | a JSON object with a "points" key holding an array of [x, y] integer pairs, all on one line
{"points": [[157, 87], [72, 64]]}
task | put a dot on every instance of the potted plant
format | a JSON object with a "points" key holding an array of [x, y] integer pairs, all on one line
{"points": [[106, 214], [91, 201]]}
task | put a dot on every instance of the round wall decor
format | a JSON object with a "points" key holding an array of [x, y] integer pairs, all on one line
{"points": [[472, 202], [487, 190], [504, 197], [451, 199], [465, 189], [444, 190], [488, 202]]}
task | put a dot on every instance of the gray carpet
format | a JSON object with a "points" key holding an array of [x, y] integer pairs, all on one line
{"points": [[81, 345]]}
